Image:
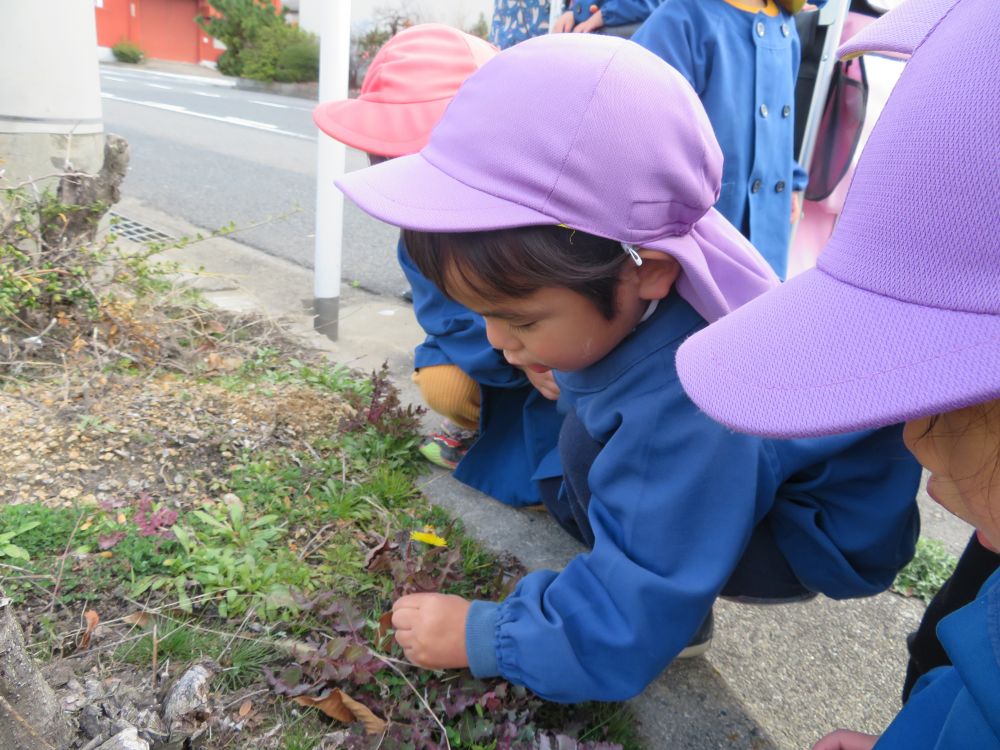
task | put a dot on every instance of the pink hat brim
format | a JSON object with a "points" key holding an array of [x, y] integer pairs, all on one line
{"points": [[382, 128], [837, 358]]}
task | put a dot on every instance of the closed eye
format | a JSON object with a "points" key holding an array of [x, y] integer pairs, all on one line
{"points": [[522, 326]]}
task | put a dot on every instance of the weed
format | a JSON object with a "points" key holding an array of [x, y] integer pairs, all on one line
{"points": [[42, 530], [175, 640], [244, 663], [237, 561], [9, 549], [927, 572]]}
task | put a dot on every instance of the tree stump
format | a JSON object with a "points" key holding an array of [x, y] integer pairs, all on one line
{"points": [[30, 715]]}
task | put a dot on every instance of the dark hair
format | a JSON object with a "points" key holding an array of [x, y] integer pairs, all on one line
{"points": [[518, 262]]}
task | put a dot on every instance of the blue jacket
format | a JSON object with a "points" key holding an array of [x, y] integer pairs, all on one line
{"points": [[743, 66], [675, 498], [957, 706], [615, 12], [518, 427]]}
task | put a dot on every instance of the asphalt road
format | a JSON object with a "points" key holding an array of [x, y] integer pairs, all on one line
{"points": [[212, 154]]}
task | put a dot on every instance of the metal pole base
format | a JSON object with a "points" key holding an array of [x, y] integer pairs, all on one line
{"points": [[326, 318]]}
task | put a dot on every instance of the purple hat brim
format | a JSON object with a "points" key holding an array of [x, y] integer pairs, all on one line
{"points": [[837, 358], [439, 203], [900, 32]]}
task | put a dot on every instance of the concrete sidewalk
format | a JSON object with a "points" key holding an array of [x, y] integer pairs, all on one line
{"points": [[775, 677]]}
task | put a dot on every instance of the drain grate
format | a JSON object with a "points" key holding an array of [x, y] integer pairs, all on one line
{"points": [[130, 229]]}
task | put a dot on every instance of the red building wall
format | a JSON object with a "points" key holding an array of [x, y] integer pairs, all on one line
{"points": [[164, 29]]}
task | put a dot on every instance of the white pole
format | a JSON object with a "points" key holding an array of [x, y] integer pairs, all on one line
{"points": [[50, 92], [335, 46]]}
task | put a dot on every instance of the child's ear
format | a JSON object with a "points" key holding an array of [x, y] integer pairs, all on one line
{"points": [[657, 274]]}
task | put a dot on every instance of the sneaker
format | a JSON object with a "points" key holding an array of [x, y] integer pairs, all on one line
{"points": [[447, 446], [701, 640]]}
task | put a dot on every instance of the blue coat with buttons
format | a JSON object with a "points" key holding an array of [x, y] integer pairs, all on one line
{"points": [[743, 66], [518, 427]]}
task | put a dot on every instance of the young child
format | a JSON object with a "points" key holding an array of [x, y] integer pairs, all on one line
{"points": [[901, 320], [580, 226], [742, 57], [583, 16], [504, 429]]}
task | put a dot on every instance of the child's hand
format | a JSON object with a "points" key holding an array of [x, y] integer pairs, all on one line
{"points": [[544, 383], [431, 629], [845, 739], [564, 23], [593, 23], [796, 206]]}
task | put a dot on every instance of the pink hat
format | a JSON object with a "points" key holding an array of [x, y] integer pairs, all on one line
{"points": [[406, 89], [901, 317]]}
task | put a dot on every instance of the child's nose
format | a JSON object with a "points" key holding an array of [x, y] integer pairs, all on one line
{"points": [[499, 335]]}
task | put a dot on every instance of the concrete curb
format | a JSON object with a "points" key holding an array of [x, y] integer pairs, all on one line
{"points": [[776, 678]]}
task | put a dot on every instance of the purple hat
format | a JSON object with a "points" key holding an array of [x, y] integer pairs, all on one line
{"points": [[589, 131], [901, 317]]}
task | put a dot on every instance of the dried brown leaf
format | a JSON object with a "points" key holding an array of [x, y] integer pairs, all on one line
{"points": [[245, 708], [384, 639], [332, 705], [92, 619], [342, 707], [138, 619], [373, 724]]}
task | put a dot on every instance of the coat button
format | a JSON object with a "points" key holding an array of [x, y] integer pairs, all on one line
{"points": [[760, 28], [763, 110], [786, 111], [755, 188], [784, 29], [779, 187]]}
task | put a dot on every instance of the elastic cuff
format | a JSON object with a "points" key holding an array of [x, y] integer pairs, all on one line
{"points": [[480, 638]]}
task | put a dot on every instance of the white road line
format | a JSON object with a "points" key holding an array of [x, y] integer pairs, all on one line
{"points": [[266, 127], [114, 78], [270, 104], [168, 107], [205, 93], [249, 123], [159, 86], [206, 80]]}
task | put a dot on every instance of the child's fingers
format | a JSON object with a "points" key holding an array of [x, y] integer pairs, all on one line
{"points": [[409, 601], [404, 618]]}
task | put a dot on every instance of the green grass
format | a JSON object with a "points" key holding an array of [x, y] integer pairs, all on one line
{"points": [[931, 566], [175, 640]]}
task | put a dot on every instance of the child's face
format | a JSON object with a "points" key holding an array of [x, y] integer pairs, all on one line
{"points": [[554, 328], [961, 449]]}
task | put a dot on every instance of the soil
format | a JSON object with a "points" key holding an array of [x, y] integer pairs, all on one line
{"points": [[95, 437]]}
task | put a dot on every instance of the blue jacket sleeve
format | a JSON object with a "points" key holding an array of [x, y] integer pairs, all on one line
{"points": [[846, 517], [455, 334], [621, 12], [672, 33], [669, 528]]}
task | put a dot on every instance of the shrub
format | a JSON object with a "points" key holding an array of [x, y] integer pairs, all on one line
{"points": [[128, 52], [282, 53], [299, 61], [238, 26]]}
